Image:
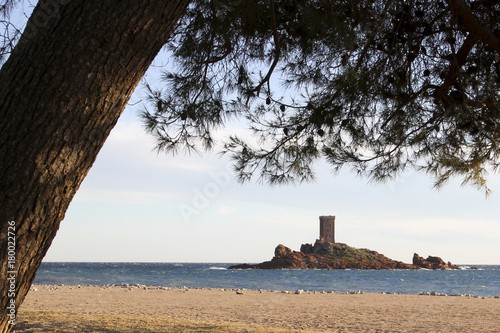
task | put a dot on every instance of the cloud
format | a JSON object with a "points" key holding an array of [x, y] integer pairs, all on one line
{"points": [[118, 196], [226, 210], [438, 227], [129, 145]]}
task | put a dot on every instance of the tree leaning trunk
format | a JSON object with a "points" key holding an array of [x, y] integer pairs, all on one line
{"points": [[61, 92]]}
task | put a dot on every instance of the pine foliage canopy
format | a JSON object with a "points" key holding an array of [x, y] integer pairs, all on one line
{"points": [[10, 33], [377, 85]]}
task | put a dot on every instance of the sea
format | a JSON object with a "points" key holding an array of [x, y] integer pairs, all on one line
{"points": [[473, 280]]}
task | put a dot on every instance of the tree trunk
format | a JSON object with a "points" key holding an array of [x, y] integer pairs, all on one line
{"points": [[61, 92]]}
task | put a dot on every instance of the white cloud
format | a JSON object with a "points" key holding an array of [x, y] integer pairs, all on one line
{"points": [[130, 145], [226, 210], [118, 196], [435, 226]]}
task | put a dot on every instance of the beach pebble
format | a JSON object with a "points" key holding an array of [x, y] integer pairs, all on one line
{"points": [[239, 292]]}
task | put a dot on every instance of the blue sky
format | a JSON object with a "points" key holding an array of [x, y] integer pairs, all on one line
{"points": [[137, 205]]}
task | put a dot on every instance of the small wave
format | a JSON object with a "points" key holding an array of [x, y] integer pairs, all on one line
{"points": [[476, 268], [216, 267]]}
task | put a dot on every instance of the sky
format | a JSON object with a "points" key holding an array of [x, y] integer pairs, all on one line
{"points": [[136, 205]]}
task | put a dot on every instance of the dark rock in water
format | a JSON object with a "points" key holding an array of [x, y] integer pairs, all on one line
{"points": [[432, 262], [242, 266]]}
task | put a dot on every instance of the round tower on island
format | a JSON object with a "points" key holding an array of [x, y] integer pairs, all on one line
{"points": [[327, 229]]}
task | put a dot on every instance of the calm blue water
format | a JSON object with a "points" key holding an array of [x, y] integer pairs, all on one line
{"points": [[482, 281]]}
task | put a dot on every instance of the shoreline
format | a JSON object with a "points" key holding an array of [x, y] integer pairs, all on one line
{"points": [[252, 310]]}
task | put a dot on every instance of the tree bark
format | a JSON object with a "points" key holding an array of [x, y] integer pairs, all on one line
{"points": [[61, 92]]}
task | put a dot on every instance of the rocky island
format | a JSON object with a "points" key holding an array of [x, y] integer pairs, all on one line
{"points": [[327, 254]]}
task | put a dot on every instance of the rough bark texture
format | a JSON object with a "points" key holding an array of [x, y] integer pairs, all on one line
{"points": [[61, 92]]}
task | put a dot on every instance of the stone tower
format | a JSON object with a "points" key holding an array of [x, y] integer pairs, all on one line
{"points": [[327, 229]]}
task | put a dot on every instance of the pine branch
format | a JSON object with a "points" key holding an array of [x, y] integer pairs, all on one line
{"points": [[467, 18]]}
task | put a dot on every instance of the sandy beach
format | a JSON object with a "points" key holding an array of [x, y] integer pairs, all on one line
{"points": [[59, 308]]}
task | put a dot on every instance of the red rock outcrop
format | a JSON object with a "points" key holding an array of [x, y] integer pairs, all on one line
{"points": [[327, 256], [432, 262], [340, 256], [281, 251]]}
